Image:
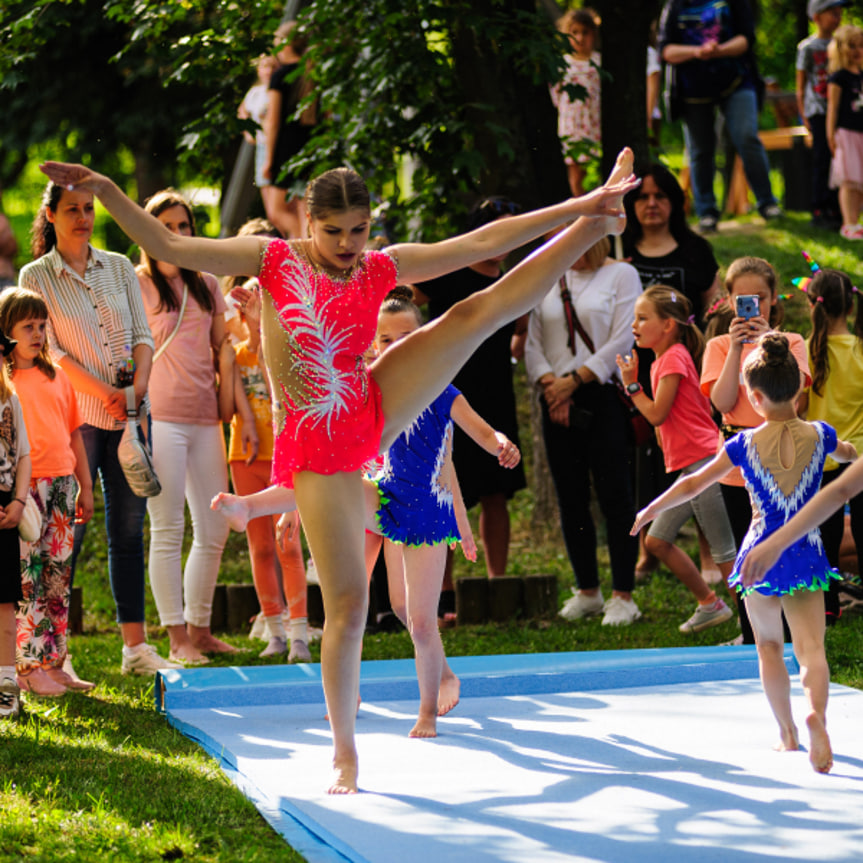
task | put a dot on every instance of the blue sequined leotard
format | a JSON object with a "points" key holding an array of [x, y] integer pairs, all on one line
{"points": [[415, 507], [778, 493]]}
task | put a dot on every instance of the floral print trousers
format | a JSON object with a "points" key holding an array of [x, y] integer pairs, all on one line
{"points": [[46, 574]]}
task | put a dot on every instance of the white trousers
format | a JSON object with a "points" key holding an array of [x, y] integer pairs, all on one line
{"points": [[191, 465]]}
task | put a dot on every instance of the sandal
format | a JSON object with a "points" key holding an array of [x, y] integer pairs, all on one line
{"points": [[851, 232], [39, 682]]}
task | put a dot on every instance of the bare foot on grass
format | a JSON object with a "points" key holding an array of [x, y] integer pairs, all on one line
{"points": [[448, 694], [206, 642], [233, 508], [344, 777], [188, 654], [426, 726], [820, 752]]}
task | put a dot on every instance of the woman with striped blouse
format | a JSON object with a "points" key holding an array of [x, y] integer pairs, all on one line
{"points": [[97, 328]]}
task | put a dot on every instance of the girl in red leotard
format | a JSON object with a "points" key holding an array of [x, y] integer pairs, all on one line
{"points": [[321, 297]]}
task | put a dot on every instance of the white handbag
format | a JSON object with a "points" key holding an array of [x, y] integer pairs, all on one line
{"points": [[134, 454], [30, 525]]}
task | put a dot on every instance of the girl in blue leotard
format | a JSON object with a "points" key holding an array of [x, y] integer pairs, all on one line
{"points": [[782, 462], [420, 512]]}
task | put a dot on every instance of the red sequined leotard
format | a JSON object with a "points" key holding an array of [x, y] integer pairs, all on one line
{"points": [[327, 409]]}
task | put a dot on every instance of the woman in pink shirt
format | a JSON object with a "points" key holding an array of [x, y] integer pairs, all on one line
{"points": [[185, 310]]}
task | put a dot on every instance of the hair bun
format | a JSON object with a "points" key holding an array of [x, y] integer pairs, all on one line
{"points": [[400, 292], [775, 347]]}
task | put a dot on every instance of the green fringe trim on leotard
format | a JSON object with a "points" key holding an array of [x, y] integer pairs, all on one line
{"points": [[815, 582], [382, 500]]}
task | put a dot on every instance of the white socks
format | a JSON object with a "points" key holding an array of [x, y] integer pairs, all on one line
{"points": [[299, 629], [274, 627]]}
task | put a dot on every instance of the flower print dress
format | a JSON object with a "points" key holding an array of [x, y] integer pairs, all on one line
{"points": [[579, 119]]}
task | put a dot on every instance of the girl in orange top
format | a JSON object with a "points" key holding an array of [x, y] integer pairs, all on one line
{"points": [[722, 382], [62, 488]]}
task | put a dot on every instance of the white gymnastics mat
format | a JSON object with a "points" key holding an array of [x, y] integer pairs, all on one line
{"points": [[643, 755]]}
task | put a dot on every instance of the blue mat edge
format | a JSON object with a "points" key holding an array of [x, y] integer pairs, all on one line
{"points": [[318, 845], [526, 674]]}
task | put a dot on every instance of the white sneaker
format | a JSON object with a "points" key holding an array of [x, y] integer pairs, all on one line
{"points": [[581, 605], [259, 628], [312, 572], [620, 612], [143, 659], [704, 618], [10, 698]]}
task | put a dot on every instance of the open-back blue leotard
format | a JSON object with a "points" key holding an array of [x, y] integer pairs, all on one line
{"points": [[803, 565]]}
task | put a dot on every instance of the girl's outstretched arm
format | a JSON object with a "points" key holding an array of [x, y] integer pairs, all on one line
{"points": [[684, 489], [233, 256], [825, 503], [477, 429], [419, 262], [655, 410]]}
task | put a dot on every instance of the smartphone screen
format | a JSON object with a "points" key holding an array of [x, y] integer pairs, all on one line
{"points": [[747, 306]]}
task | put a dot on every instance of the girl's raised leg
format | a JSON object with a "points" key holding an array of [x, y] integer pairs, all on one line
{"points": [[333, 513], [804, 611], [765, 614], [438, 350], [239, 510]]}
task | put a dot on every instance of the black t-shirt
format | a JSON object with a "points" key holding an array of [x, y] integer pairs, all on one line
{"points": [[850, 101], [690, 268]]}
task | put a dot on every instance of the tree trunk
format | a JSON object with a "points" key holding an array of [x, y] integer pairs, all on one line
{"points": [[624, 34], [517, 103]]}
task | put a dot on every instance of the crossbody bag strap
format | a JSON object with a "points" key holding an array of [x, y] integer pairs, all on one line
{"points": [[167, 341], [569, 311]]}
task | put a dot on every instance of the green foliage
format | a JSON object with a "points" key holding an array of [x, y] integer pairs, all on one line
{"points": [[388, 79], [96, 76]]}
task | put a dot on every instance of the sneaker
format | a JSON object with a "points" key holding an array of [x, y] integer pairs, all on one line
{"points": [[620, 612], [259, 628], [708, 224], [771, 211], [10, 698], [707, 616], [582, 605], [299, 651], [143, 659], [276, 647], [851, 232]]}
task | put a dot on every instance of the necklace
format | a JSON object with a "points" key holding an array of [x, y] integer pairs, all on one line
{"points": [[333, 273]]}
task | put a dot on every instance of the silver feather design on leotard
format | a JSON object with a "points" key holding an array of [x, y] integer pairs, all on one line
{"points": [[313, 361]]}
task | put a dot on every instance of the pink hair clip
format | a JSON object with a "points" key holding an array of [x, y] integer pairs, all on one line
{"points": [[690, 320]]}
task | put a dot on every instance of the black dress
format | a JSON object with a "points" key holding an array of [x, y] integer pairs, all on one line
{"points": [[486, 382]]}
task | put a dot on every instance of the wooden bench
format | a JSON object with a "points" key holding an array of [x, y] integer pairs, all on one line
{"points": [[794, 143]]}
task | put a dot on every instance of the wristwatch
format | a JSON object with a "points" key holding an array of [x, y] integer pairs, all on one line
{"points": [[633, 388]]}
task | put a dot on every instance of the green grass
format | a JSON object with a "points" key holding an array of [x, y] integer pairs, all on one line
{"points": [[102, 774]]}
